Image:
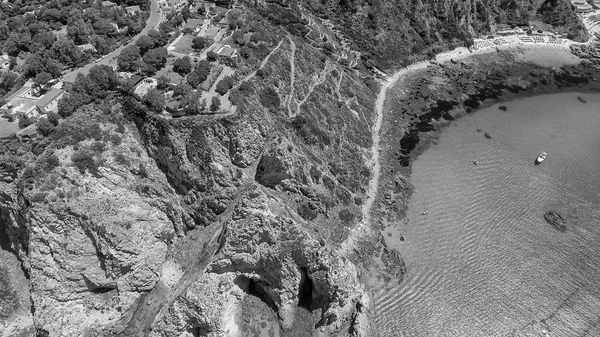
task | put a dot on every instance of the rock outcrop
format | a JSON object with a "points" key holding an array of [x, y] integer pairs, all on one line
{"points": [[282, 260], [129, 223]]}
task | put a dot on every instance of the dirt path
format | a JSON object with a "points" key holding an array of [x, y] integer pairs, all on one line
{"points": [[262, 64], [292, 75], [364, 228]]}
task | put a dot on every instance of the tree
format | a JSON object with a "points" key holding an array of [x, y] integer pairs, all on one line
{"points": [[129, 59], [41, 62], [163, 83], [66, 52], [198, 43], [155, 99], [156, 58], [160, 39], [190, 103], [52, 118], [182, 90], [42, 78], [194, 80], [145, 43], [238, 37], [66, 106], [25, 122], [101, 80], [211, 56], [224, 85], [44, 127], [182, 66], [215, 104]]}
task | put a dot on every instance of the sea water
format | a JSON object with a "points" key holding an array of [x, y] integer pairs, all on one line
{"points": [[482, 261]]}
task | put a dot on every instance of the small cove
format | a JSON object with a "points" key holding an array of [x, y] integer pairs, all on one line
{"points": [[482, 261]]}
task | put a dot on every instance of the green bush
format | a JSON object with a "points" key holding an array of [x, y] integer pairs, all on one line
{"points": [[142, 171], [50, 163], [84, 161], [121, 159], [346, 216], [269, 99], [98, 147], [44, 127], [224, 85], [116, 140], [25, 122]]}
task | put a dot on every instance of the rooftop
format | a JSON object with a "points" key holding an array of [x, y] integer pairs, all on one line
{"points": [[21, 104], [18, 93], [211, 32], [193, 23], [49, 97]]}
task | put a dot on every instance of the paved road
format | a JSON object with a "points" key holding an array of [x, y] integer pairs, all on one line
{"points": [[110, 59]]}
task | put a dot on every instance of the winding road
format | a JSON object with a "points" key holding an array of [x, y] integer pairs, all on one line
{"points": [[110, 59]]}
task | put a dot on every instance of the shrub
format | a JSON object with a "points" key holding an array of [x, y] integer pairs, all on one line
{"points": [[306, 212], [98, 147], [94, 132], [224, 85], [53, 118], [39, 197], [346, 216], [84, 161], [121, 159], [25, 122], [120, 128], [142, 171], [215, 104], [246, 88], [44, 127], [116, 140], [211, 56], [50, 163], [269, 99]]}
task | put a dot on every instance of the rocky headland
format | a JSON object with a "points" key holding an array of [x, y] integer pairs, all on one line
{"points": [[128, 223]]}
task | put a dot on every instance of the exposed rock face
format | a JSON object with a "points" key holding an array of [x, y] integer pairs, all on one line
{"points": [[91, 244], [280, 258], [162, 226]]}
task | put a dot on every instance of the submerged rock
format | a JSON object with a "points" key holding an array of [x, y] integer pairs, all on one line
{"points": [[555, 220]]}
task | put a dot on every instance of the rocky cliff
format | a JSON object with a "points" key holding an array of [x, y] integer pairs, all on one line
{"points": [[129, 223]]}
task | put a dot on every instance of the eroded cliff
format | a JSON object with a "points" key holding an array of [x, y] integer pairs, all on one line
{"points": [[130, 223]]}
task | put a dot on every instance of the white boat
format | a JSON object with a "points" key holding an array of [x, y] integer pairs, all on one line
{"points": [[541, 157]]}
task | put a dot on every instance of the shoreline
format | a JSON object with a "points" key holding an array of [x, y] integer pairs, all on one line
{"points": [[412, 110], [362, 231]]}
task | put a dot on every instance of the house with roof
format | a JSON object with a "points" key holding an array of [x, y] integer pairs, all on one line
{"points": [[119, 30], [4, 62], [212, 33], [25, 102], [133, 10], [108, 4], [49, 102], [173, 4], [86, 47], [193, 25], [224, 23], [227, 51], [60, 34]]}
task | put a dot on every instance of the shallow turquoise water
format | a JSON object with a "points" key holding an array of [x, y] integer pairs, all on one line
{"points": [[482, 261]]}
